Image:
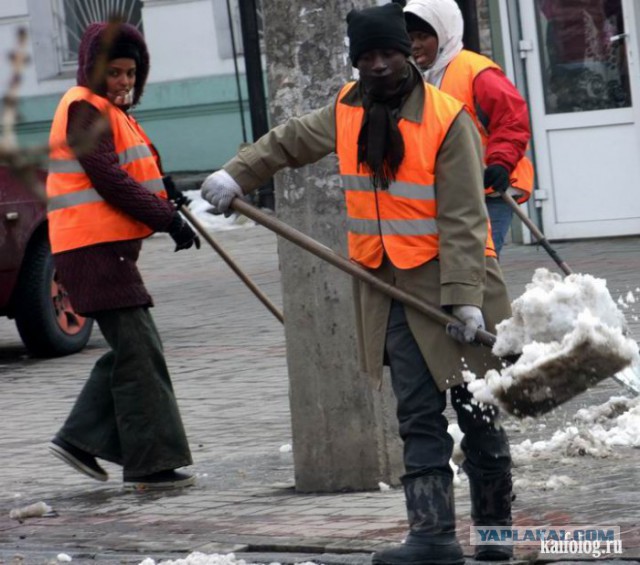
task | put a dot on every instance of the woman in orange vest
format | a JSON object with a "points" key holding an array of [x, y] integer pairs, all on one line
{"points": [[105, 195], [410, 159], [498, 109]]}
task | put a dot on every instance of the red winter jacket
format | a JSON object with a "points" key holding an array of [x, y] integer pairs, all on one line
{"points": [[503, 113]]}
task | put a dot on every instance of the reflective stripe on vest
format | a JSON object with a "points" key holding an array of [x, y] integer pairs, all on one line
{"points": [[125, 157], [400, 221], [87, 195], [78, 215], [458, 82]]}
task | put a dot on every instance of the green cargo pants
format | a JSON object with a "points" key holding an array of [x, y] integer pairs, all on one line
{"points": [[127, 411]]}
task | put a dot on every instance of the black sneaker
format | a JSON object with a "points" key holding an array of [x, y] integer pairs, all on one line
{"points": [[163, 480], [78, 459]]}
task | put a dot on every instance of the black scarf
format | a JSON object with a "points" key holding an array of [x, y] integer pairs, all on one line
{"points": [[380, 143]]}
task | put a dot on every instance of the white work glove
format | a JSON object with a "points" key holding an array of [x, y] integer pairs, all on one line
{"points": [[219, 189], [472, 320]]}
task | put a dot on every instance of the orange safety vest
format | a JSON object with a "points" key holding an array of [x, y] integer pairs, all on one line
{"points": [[457, 81], [400, 221], [78, 215]]}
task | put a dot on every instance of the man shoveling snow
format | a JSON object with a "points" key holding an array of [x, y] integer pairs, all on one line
{"points": [[569, 334]]}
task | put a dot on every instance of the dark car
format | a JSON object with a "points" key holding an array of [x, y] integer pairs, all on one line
{"points": [[29, 289]]}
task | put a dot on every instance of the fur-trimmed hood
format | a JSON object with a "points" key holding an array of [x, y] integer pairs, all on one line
{"points": [[95, 41]]}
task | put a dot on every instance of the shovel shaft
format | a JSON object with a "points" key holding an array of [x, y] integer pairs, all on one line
{"points": [[540, 237], [232, 264], [342, 263]]}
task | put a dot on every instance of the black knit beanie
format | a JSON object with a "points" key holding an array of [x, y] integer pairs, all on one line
{"points": [[380, 27], [416, 23]]}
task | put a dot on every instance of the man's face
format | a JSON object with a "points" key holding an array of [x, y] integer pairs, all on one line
{"points": [[424, 48], [381, 70]]}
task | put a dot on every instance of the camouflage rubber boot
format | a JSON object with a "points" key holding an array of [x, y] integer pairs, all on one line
{"points": [[432, 536], [491, 506]]}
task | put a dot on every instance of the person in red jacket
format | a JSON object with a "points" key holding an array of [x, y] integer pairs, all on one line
{"points": [[500, 112]]}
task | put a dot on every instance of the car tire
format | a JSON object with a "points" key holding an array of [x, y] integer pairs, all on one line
{"points": [[46, 321]]}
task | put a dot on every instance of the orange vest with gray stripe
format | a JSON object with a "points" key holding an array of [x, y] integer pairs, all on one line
{"points": [[458, 77], [400, 221], [78, 216]]}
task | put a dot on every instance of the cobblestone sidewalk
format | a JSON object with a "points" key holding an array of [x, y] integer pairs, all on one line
{"points": [[227, 357]]}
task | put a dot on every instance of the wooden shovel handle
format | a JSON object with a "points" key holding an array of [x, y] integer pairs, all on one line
{"points": [[540, 237], [325, 253], [232, 264]]}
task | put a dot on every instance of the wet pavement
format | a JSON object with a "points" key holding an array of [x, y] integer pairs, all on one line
{"points": [[226, 354]]}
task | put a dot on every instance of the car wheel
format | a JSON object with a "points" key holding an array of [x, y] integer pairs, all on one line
{"points": [[46, 321]]}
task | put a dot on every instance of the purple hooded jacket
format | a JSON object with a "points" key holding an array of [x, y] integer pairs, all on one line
{"points": [[105, 276]]}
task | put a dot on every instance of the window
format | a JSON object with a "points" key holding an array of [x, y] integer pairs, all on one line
{"points": [[583, 55], [57, 26], [73, 17]]}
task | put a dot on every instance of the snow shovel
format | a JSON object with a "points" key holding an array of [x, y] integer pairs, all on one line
{"points": [[629, 377], [538, 392], [227, 259]]}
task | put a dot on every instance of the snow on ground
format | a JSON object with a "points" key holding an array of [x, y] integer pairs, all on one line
{"points": [[552, 319], [199, 207], [554, 482], [197, 558], [595, 431]]}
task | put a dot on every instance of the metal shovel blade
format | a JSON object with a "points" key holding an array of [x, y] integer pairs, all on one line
{"points": [[559, 379]]}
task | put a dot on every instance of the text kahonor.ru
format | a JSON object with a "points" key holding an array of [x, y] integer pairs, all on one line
{"points": [[595, 541]]}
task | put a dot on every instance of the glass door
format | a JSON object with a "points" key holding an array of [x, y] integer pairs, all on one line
{"points": [[586, 130], [583, 55]]}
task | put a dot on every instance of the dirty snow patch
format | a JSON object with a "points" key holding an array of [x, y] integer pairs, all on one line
{"points": [[594, 432]]}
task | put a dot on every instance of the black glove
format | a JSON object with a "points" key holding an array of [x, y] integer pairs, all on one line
{"points": [[181, 232], [496, 177], [175, 195]]}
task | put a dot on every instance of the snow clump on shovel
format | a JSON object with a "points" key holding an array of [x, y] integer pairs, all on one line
{"points": [[569, 334]]}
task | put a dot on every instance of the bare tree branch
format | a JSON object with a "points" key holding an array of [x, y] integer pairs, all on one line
{"points": [[26, 162]]}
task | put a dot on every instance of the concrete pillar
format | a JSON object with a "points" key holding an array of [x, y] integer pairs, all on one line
{"points": [[344, 430]]}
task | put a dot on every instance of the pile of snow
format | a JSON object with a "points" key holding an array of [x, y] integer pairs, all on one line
{"points": [[554, 482], [554, 318], [548, 309], [197, 558], [571, 442], [595, 431], [615, 423]]}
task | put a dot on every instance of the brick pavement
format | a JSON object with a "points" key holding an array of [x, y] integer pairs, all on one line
{"points": [[226, 355]]}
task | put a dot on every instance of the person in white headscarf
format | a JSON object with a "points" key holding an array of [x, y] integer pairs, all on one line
{"points": [[500, 112]]}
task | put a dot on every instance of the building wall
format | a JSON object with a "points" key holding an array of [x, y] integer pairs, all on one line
{"points": [[191, 106]]}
